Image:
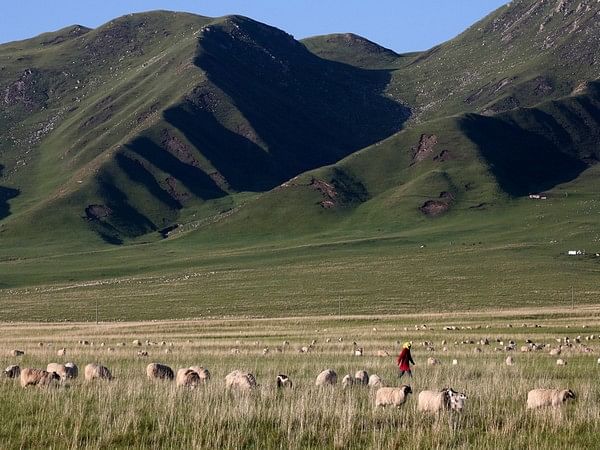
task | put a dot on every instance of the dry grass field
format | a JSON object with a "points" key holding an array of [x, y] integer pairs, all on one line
{"points": [[132, 412]]}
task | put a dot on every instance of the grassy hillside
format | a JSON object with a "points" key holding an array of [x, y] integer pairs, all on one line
{"points": [[185, 165], [179, 113]]}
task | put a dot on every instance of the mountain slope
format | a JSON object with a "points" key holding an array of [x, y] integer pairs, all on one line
{"points": [[161, 123], [189, 111]]}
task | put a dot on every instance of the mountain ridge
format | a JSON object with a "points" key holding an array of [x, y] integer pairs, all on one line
{"points": [[186, 117]]}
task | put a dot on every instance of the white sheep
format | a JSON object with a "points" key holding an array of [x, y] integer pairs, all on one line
{"points": [[539, 398], [446, 399], [156, 371], [327, 377], [561, 362], [202, 372], [395, 396], [187, 378], [375, 381], [510, 361], [61, 370], [240, 380], [62, 352], [347, 381], [361, 377], [37, 377], [95, 371], [431, 361]]}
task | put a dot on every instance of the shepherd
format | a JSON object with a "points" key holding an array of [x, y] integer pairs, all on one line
{"points": [[405, 360]]}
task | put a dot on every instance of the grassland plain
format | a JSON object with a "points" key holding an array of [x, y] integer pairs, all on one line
{"points": [[132, 412]]}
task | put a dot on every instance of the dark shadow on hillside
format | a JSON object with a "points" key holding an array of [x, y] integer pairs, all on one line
{"points": [[138, 173], [245, 165], [6, 194], [525, 161], [121, 219], [307, 111], [193, 178]]}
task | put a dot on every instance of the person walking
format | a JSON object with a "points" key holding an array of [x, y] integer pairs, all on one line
{"points": [[405, 360]]}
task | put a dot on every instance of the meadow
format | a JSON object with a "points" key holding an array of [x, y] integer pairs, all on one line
{"points": [[132, 412]]}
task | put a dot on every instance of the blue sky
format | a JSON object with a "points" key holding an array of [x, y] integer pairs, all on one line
{"points": [[402, 25]]}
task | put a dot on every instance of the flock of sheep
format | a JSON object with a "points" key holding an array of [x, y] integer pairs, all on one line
{"points": [[446, 399]]}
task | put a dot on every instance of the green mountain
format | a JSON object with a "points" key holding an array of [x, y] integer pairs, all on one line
{"points": [[170, 132]]}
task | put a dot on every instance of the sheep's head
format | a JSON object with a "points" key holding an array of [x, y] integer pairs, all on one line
{"points": [[283, 381], [406, 389], [447, 395], [457, 401], [54, 376], [567, 394]]}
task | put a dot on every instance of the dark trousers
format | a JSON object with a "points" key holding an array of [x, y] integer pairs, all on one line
{"points": [[402, 372]]}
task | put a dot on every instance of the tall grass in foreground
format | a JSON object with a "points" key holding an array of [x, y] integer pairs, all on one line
{"points": [[131, 412]]}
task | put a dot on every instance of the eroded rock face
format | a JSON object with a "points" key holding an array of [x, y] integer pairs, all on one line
{"points": [[97, 212], [439, 206], [434, 208], [425, 147]]}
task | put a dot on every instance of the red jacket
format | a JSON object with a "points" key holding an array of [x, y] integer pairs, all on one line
{"points": [[404, 358]]}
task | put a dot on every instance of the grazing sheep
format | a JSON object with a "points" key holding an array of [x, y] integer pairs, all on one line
{"points": [[375, 381], [358, 351], [361, 377], [539, 398], [561, 362], [156, 371], [240, 380], [59, 369], [347, 381], [382, 353], [12, 371], [510, 361], [142, 353], [446, 399], [62, 352], [37, 377], [187, 378], [432, 361], [95, 371], [203, 373], [72, 370], [555, 352], [455, 362], [17, 353], [392, 396], [327, 377], [137, 342], [283, 381]]}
